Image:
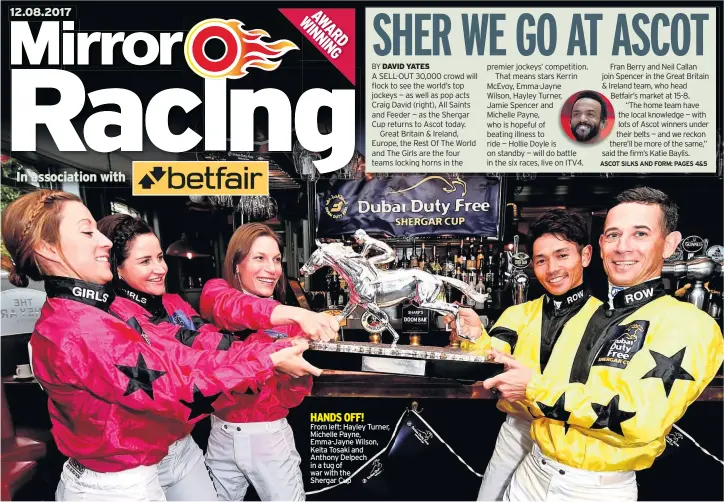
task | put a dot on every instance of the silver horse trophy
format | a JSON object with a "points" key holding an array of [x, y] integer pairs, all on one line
{"points": [[373, 289]]}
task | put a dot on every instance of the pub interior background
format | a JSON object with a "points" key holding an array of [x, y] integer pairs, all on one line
{"points": [[203, 227]]}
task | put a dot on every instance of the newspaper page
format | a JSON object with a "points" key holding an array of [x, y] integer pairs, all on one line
{"points": [[362, 250]]}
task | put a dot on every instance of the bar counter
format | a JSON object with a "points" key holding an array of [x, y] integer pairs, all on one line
{"points": [[359, 384], [376, 385]]}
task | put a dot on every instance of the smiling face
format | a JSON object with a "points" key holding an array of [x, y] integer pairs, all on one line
{"points": [[83, 252], [261, 269], [557, 263], [586, 123], [634, 243], [145, 269]]}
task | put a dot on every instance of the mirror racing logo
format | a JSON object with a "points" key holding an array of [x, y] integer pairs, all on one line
{"points": [[242, 49]]}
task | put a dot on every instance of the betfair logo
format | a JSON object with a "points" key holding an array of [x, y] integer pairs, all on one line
{"points": [[201, 178]]}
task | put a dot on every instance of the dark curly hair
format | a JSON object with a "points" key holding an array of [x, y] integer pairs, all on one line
{"points": [[121, 229]]}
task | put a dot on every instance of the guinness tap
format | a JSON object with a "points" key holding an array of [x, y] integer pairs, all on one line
{"points": [[699, 270]]}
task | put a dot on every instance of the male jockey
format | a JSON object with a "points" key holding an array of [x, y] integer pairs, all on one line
{"points": [[368, 244]]}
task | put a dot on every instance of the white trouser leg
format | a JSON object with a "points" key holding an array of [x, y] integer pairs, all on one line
{"points": [[540, 478], [513, 444], [138, 484], [230, 481], [183, 474], [262, 453]]}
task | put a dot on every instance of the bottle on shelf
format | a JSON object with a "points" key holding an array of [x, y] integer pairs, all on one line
{"points": [[448, 264], [472, 282], [490, 258], [480, 288], [455, 294], [327, 288], [480, 256], [414, 260], [342, 295], [405, 261], [512, 231], [436, 266], [398, 254], [424, 262], [489, 286], [333, 291], [328, 279], [470, 262], [500, 277]]}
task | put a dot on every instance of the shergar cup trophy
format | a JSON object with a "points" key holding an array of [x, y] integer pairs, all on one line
{"points": [[373, 289]]}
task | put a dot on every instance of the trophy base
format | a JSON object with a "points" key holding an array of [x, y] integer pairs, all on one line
{"points": [[432, 362]]}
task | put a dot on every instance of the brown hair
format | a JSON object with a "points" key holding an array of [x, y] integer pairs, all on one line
{"points": [[121, 230], [651, 196], [27, 221], [239, 247]]}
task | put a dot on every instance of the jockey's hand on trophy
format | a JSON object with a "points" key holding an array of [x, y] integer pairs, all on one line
{"points": [[317, 325], [296, 341], [289, 360], [469, 322]]}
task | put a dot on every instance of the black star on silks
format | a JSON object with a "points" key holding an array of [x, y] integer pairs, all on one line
{"points": [[557, 411], [668, 369], [201, 404], [140, 377], [610, 416]]}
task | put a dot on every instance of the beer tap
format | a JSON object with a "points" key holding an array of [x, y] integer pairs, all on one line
{"points": [[698, 268], [520, 281]]}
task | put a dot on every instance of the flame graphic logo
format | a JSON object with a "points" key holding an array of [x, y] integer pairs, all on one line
{"points": [[242, 49]]}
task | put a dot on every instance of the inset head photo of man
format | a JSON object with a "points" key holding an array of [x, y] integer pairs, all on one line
{"points": [[587, 117]]}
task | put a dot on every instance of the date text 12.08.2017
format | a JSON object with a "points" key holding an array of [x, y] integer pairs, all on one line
{"points": [[41, 13]]}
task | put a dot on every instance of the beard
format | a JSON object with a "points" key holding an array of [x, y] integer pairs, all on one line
{"points": [[584, 131]]}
